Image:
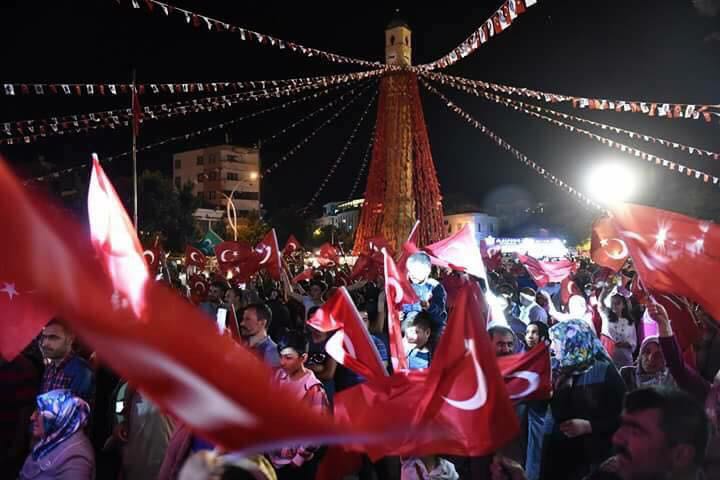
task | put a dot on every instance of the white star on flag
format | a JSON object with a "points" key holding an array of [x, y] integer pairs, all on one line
{"points": [[9, 288]]}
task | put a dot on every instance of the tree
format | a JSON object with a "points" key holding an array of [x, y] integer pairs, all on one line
{"points": [[165, 211], [250, 229]]}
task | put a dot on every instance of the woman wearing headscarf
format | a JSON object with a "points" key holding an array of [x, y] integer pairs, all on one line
{"points": [[62, 452], [585, 408], [650, 368]]}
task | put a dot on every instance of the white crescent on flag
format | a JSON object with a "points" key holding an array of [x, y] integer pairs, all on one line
{"points": [[480, 396], [223, 259], [193, 258], [264, 250], [151, 255], [533, 380]]}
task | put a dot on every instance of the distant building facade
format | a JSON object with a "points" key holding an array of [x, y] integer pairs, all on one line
{"points": [[217, 171], [482, 224]]}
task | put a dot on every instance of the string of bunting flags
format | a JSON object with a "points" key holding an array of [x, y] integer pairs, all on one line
{"points": [[651, 109], [674, 166], [307, 117], [547, 175], [495, 25], [32, 130], [342, 154], [187, 136], [298, 146], [364, 163], [104, 89], [198, 20]]}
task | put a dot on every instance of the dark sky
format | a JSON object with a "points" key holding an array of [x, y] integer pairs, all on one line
{"points": [[644, 50]]}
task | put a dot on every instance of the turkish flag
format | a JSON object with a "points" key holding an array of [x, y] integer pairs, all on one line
{"points": [[306, 274], [684, 324], [22, 315], [492, 256], [216, 387], [329, 256], [351, 344], [672, 253], [291, 246], [398, 291], [459, 406], [230, 254], [459, 252], [267, 253], [527, 375], [198, 288], [153, 256], [547, 272], [195, 257], [568, 288], [115, 240], [607, 248], [365, 267]]}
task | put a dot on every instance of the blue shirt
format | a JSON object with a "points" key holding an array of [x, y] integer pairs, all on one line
{"points": [[433, 292], [418, 358]]}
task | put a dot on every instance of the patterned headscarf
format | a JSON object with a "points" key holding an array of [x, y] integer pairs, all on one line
{"points": [[62, 414], [575, 347]]}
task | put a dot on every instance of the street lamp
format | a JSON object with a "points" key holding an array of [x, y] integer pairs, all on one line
{"points": [[253, 175]]}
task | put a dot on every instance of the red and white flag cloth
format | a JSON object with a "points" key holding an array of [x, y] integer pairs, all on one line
{"points": [[153, 257], [267, 255], [398, 291], [22, 315], [672, 253], [115, 240], [351, 344], [459, 251], [194, 257], [607, 248], [306, 274], [527, 375], [291, 246], [365, 267], [329, 256], [459, 406], [198, 288], [568, 288], [547, 272], [207, 381]]}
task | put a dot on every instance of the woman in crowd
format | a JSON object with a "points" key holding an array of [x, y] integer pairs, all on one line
{"points": [[650, 367], [586, 404], [62, 451]]}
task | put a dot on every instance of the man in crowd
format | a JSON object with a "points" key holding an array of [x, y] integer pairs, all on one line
{"points": [[63, 368], [216, 294], [663, 435], [254, 330], [502, 340], [431, 294], [530, 311]]}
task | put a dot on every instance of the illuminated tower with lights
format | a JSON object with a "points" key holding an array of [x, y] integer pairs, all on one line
{"points": [[402, 183]]}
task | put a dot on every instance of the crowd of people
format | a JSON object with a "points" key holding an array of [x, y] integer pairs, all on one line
{"points": [[628, 401]]}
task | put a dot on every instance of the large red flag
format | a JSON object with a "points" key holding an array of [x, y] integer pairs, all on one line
{"points": [[268, 255], [672, 253], [351, 344], [153, 257], [459, 406], [568, 288], [22, 315], [527, 375], [291, 246], [607, 248], [115, 239], [398, 291], [459, 252], [207, 381], [195, 257], [231, 255], [547, 272], [365, 268]]}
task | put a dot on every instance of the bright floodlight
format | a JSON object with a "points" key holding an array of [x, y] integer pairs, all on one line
{"points": [[611, 183], [253, 175]]}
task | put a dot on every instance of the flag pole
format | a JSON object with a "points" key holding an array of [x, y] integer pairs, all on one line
{"points": [[134, 151]]}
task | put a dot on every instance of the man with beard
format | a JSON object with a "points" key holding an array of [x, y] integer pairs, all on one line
{"points": [[663, 436], [254, 331]]}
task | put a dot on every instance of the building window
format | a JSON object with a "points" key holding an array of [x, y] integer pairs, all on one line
{"points": [[247, 195], [480, 227], [178, 182], [211, 195], [200, 160], [446, 222], [212, 158], [201, 177], [232, 158], [212, 176], [200, 195], [232, 176], [392, 39], [449, 228], [178, 163]]}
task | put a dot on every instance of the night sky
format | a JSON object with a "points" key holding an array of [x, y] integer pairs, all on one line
{"points": [[639, 50]]}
